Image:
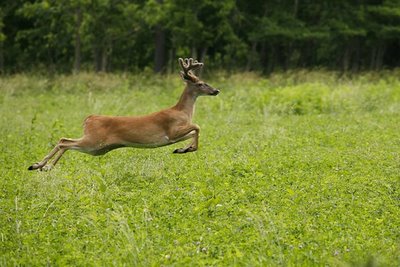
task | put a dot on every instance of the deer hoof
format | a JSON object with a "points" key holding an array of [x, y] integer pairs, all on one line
{"points": [[34, 167], [179, 150], [185, 150], [191, 149], [46, 168]]}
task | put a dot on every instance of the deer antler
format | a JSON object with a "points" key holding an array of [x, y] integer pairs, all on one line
{"points": [[187, 65]]}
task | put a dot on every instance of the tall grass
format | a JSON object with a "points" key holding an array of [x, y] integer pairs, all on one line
{"points": [[297, 168]]}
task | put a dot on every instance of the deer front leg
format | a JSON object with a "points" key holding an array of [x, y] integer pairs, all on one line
{"points": [[184, 133]]}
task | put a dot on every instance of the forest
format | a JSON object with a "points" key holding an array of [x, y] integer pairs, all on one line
{"points": [[259, 35]]}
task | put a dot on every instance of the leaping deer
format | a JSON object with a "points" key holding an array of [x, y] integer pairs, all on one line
{"points": [[105, 133]]}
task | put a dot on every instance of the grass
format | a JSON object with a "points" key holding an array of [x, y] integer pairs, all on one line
{"points": [[298, 168]]}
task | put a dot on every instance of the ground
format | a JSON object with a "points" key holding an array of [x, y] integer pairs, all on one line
{"points": [[298, 168]]}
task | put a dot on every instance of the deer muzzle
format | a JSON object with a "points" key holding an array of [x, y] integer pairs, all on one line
{"points": [[215, 92]]}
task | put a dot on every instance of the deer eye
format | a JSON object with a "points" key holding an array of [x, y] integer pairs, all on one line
{"points": [[201, 84]]}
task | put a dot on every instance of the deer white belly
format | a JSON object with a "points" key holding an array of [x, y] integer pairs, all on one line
{"points": [[158, 142]]}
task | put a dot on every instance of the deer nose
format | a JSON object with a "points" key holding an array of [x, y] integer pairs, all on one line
{"points": [[216, 92]]}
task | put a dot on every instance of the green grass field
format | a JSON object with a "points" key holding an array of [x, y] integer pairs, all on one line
{"points": [[297, 169]]}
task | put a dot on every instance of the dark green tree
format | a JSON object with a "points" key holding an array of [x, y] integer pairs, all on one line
{"points": [[108, 35]]}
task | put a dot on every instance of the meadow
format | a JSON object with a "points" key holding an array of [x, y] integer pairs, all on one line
{"points": [[298, 168]]}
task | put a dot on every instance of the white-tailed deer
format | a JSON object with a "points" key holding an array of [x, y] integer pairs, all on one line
{"points": [[105, 133]]}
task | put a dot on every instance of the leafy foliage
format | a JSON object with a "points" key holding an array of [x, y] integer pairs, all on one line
{"points": [[122, 35]]}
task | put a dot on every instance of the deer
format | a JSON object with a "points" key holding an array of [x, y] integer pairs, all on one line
{"points": [[102, 133]]}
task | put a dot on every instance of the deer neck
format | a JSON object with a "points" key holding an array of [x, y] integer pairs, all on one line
{"points": [[186, 102]]}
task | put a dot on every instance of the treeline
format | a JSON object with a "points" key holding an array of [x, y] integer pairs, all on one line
{"points": [[262, 35]]}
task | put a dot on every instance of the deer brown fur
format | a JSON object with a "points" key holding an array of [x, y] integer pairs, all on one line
{"points": [[102, 134]]}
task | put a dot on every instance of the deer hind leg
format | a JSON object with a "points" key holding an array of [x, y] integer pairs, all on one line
{"points": [[63, 145]]}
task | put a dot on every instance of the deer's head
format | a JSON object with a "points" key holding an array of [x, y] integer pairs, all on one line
{"points": [[194, 84]]}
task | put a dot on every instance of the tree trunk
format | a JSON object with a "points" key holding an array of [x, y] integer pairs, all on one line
{"points": [[50, 62], [96, 57], [193, 53], [77, 59], [308, 56], [379, 56], [160, 50], [159, 56], [357, 57], [252, 57], [1, 58], [266, 62], [201, 58], [287, 53], [347, 58], [171, 62], [373, 58], [104, 58], [203, 54], [295, 8]]}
